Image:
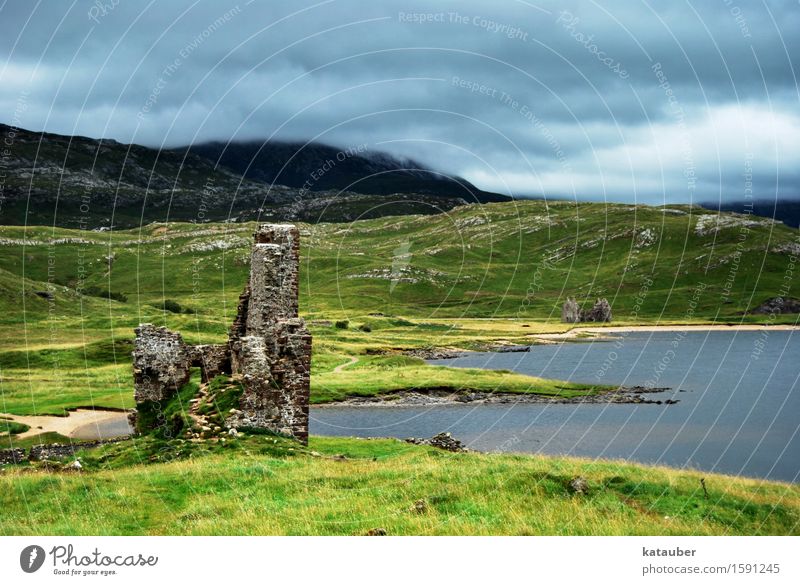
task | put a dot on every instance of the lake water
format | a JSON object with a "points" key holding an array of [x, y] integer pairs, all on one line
{"points": [[739, 409]]}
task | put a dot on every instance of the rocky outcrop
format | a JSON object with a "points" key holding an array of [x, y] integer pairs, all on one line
{"points": [[53, 451], [779, 306], [443, 441], [599, 313]]}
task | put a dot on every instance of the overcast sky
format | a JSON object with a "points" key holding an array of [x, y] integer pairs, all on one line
{"points": [[622, 100]]}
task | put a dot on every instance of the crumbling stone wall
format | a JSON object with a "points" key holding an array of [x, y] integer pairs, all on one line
{"points": [[8, 456], [571, 312], [599, 313], [268, 345], [212, 360], [161, 363]]}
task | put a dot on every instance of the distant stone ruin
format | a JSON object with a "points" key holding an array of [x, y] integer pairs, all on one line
{"points": [[599, 313], [571, 312], [268, 348]]}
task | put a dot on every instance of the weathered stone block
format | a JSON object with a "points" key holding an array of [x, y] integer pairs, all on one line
{"points": [[161, 363]]}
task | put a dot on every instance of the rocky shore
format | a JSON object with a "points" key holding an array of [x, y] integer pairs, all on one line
{"points": [[445, 396]]}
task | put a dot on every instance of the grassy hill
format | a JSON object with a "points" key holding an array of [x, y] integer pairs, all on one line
{"points": [[497, 260]]}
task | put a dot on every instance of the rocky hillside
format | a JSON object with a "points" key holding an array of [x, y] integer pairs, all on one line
{"points": [[79, 182], [319, 167]]}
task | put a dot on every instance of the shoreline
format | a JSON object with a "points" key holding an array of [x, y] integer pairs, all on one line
{"points": [[73, 426], [445, 397], [598, 331]]}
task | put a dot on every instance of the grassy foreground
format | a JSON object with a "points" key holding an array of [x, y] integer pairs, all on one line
{"points": [[261, 485]]}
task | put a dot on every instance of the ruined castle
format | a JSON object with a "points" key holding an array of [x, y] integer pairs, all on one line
{"points": [[268, 348], [571, 312]]}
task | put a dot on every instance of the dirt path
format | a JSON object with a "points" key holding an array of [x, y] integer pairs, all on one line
{"points": [[340, 367], [80, 424]]}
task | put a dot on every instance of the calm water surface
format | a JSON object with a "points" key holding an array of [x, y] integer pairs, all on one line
{"points": [[739, 409]]}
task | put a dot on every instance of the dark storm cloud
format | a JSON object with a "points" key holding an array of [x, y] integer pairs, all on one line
{"points": [[620, 101]]}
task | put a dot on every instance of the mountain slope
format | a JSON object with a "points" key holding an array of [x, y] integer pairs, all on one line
{"points": [[319, 167], [78, 182]]}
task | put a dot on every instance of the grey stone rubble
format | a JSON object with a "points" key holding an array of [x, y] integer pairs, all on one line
{"points": [[441, 441], [434, 397], [50, 452], [268, 348], [779, 306]]}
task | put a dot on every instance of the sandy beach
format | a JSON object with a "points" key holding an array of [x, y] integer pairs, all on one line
{"points": [[80, 424]]}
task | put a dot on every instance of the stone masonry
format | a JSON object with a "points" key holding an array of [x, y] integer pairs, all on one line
{"points": [[599, 313], [269, 346]]}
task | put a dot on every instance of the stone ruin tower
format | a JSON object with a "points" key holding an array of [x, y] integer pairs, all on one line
{"points": [[268, 348]]}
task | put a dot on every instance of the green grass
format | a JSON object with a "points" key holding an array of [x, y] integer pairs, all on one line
{"points": [[48, 438], [380, 375], [261, 485], [9, 427]]}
